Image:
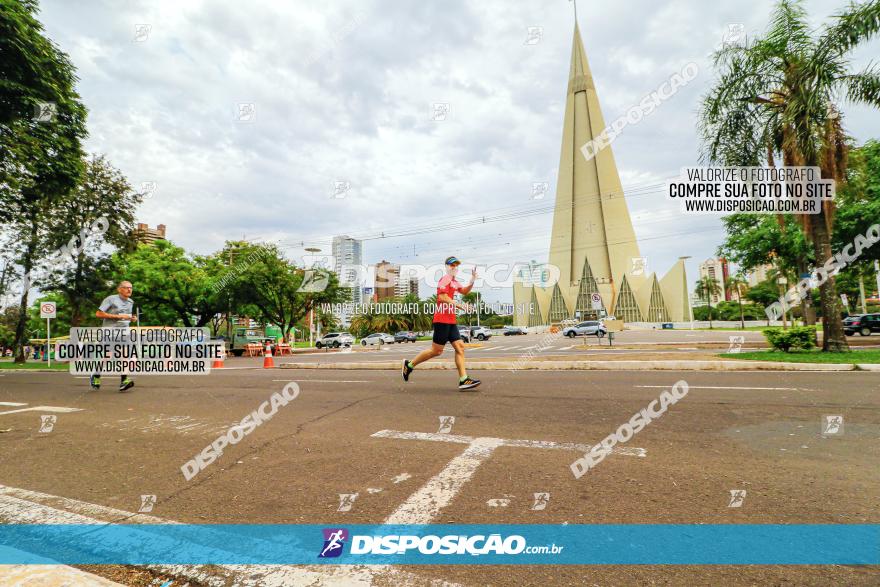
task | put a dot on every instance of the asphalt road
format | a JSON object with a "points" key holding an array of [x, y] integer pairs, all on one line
{"points": [[754, 431]]}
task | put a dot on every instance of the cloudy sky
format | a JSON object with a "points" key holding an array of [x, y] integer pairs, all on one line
{"points": [[345, 92]]}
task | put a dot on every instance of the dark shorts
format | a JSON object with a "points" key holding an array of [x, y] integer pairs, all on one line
{"points": [[444, 333]]}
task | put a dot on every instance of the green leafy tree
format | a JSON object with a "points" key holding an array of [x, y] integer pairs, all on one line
{"points": [[60, 325], [99, 211], [754, 240], [277, 291], [170, 286], [738, 285], [42, 124], [777, 95], [706, 287]]}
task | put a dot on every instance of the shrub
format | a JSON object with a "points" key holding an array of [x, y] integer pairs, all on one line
{"points": [[797, 337]]}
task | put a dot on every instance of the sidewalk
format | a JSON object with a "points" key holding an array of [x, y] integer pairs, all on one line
{"points": [[609, 365]]}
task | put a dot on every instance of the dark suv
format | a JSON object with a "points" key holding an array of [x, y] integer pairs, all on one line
{"points": [[864, 324], [405, 336]]}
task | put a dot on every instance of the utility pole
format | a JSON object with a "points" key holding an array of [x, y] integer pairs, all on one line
{"points": [[862, 293]]}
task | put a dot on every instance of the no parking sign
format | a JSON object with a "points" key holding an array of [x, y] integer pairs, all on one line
{"points": [[596, 301], [47, 310]]}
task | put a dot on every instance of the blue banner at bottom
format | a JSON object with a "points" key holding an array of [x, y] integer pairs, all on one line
{"points": [[527, 544]]}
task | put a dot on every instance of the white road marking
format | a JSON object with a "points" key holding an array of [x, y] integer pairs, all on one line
{"points": [[547, 444], [425, 504], [50, 574], [498, 503], [21, 506], [12, 404], [401, 478], [318, 381], [43, 409], [722, 387]]}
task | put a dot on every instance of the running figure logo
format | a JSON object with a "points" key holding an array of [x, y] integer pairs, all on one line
{"points": [[147, 503], [736, 344], [737, 497], [541, 501], [446, 423], [832, 425], [47, 423], [346, 500], [334, 541]]}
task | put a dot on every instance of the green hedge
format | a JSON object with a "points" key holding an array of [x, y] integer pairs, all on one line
{"points": [[796, 337]]}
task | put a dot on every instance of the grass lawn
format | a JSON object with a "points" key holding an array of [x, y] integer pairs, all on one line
{"points": [[8, 364], [813, 356], [751, 328]]}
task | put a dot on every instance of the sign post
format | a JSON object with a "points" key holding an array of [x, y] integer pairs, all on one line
{"points": [[48, 311]]}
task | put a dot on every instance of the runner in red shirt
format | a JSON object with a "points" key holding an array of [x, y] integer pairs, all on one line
{"points": [[445, 328]]}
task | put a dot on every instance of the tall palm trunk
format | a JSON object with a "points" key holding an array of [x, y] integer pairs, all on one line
{"points": [[833, 338]]}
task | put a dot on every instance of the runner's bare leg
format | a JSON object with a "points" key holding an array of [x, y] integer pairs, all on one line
{"points": [[435, 351], [458, 345]]}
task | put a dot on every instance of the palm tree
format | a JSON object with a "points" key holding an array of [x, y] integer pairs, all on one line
{"points": [[737, 283], [778, 95], [706, 288]]}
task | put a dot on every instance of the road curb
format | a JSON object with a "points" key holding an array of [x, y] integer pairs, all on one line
{"points": [[593, 366]]}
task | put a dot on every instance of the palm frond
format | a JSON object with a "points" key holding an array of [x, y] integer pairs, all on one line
{"points": [[856, 24], [863, 87]]}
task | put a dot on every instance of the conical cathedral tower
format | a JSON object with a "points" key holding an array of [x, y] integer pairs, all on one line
{"points": [[593, 243]]}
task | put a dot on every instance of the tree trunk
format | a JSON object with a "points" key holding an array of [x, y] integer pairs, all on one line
{"points": [[833, 338], [742, 318], [27, 265], [807, 307]]}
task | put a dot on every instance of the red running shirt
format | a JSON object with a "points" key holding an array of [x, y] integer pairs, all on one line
{"points": [[445, 313]]}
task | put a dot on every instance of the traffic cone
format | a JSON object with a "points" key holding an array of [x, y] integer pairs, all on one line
{"points": [[268, 363], [218, 362]]}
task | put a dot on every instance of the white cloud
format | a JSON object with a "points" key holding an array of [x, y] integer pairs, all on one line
{"points": [[343, 92]]}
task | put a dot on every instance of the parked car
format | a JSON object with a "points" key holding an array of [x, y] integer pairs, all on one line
{"points": [[405, 336], [465, 333], [864, 324], [335, 340], [480, 332], [377, 338], [591, 327], [513, 331]]}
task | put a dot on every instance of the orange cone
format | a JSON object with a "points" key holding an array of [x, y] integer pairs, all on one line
{"points": [[218, 362], [268, 363]]}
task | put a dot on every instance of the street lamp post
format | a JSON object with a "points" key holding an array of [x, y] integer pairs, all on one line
{"points": [[312, 250]]}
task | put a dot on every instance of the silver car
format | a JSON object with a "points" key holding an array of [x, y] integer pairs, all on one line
{"points": [[591, 327], [335, 340], [377, 338]]}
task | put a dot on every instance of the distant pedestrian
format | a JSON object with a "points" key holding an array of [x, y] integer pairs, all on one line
{"points": [[116, 312]]}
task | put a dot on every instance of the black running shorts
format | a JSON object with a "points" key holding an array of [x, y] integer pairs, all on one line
{"points": [[444, 333]]}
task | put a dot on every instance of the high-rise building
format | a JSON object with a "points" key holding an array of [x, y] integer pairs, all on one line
{"points": [[758, 274], [348, 260], [717, 270], [144, 234], [390, 283], [387, 277], [406, 286], [593, 245]]}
